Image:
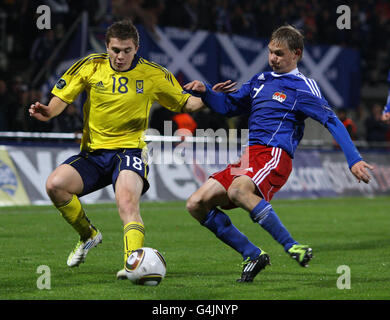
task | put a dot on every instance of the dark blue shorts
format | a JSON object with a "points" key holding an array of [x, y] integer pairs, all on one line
{"points": [[100, 168]]}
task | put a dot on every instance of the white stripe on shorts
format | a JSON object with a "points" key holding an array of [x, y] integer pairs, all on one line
{"points": [[269, 166]]}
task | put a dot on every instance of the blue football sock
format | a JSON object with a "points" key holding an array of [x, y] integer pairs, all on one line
{"points": [[221, 225], [265, 216]]}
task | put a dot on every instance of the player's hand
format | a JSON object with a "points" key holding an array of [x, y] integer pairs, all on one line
{"points": [[195, 86], [359, 170], [225, 87], [386, 116], [39, 111]]}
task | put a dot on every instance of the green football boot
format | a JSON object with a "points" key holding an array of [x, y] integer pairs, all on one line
{"points": [[301, 253]]}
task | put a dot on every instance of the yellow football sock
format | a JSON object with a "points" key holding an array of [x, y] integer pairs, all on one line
{"points": [[74, 214], [133, 237]]}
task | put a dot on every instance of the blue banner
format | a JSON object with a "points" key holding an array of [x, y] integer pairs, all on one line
{"points": [[212, 58], [188, 55], [336, 71]]}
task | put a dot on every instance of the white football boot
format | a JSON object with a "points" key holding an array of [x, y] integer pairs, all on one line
{"points": [[77, 256], [121, 275]]}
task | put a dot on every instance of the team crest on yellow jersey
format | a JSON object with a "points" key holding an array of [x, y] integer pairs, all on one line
{"points": [[139, 84], [61, 83]]}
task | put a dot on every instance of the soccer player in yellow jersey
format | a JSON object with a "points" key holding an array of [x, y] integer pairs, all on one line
{"points": [[121, 87]]}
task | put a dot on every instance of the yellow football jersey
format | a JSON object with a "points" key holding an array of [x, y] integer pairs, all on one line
{"points": [[116, 111]]}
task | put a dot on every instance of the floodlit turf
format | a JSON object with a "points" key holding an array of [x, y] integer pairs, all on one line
{"points": [[351, 232]]}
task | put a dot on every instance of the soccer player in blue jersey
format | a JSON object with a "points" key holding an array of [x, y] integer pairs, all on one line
{"points": [[278, 103], [121, 87], [386, 110]]}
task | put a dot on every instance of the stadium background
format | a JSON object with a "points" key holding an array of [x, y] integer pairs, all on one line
{"points": [[195, 39]]}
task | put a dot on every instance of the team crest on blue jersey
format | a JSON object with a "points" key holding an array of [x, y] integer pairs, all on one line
{"points": [[139, 85], [61, 84], [279, 96]]}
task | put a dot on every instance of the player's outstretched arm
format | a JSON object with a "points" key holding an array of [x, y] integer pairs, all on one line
{"points": [[359, 170], [226, 87], [386, 116], [386, 109], [218, 101], [194, 103], [42, 112], [195, 86], [198, 86], [356, 164]]}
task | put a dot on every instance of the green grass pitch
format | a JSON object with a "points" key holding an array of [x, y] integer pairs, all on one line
{"points": [[351, 232]]}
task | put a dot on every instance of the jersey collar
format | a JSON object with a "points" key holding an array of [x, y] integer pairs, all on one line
{"points": [[294, 72]]}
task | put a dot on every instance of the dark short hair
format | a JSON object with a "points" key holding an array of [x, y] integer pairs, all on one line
{"points": [[289, 35], [123, 30]]}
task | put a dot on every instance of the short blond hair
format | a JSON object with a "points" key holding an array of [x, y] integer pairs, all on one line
{"points": [[289, 35]]}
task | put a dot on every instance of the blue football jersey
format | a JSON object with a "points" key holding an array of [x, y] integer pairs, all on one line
{"points": [[277, 105]]}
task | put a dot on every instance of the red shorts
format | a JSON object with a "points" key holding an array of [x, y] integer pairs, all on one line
{"points": [[268, 167]]}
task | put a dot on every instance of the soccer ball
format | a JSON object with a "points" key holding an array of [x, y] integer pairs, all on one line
{"points": [[145, 266]]}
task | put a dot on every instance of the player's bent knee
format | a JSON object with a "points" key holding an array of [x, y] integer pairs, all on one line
{"points": [[193, 204], [54, 186], [62, 183], [240, 189], [128, 202], [196, 207], [57, 193], [236, 195]]}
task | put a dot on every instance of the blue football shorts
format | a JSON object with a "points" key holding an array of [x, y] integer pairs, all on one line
{"points": [[101, 167]]}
